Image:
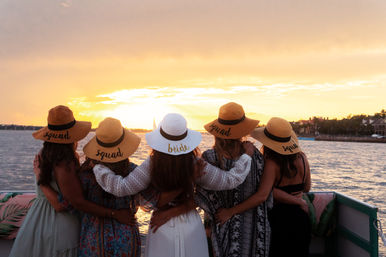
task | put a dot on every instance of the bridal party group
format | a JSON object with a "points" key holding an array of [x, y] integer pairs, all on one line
{"points": [[232, 200]]}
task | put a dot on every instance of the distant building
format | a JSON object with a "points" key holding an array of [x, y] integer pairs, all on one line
{"points": [[305, 127], [380, 126]]}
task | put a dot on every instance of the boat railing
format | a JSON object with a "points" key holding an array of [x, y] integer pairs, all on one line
{"points": [[354, 231]]}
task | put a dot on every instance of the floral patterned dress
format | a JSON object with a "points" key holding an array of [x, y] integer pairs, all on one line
{"points": [[106, 236]]}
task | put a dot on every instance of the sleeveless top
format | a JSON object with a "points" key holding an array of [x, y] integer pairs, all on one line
{"points": [[294, 188]]}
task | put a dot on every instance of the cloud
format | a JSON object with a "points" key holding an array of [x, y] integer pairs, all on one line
{"points": [[172, 28], [198, 95]]}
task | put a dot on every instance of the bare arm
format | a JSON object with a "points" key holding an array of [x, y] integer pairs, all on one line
{"points": [[167, 197], [161, 217], [71, 188], [308, 174], [284, 197], [51, 195], [266, 185]]}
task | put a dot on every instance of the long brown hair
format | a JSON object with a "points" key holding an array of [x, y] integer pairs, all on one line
{"points": [[119, 168], [173, 172], [53, 154], [286, 162], [233, 148]]}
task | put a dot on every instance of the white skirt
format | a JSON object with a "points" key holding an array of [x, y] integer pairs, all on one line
{"points": [[181, 236]]}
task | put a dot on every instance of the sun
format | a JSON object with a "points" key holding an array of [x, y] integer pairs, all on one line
{"points": [[142, 116]]}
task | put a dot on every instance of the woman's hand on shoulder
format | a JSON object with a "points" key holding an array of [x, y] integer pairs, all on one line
{"points": [[249, 148]]}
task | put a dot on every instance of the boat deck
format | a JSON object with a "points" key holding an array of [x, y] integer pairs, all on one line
{"points": [[5, 247]]}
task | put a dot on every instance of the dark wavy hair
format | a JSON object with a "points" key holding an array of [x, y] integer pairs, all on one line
{"points": [[173, 172], [286, 162], [230, 147], [53, 154]]}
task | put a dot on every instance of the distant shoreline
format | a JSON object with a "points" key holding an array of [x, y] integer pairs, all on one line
{"points": [[33, 128], [364, 139]]}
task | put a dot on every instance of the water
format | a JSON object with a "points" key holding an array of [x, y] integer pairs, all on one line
{"points": [[355, 169]]}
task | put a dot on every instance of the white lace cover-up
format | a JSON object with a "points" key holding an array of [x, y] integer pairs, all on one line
{"points": [[139, 179]]}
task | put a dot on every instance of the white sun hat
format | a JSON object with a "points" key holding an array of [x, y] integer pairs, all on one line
{"points": [[173, 137]]}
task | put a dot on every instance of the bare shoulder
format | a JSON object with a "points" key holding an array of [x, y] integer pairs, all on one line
{"points": [[270, 163]]}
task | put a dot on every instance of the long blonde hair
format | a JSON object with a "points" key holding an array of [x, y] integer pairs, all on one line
{"points": [[228, 148]]}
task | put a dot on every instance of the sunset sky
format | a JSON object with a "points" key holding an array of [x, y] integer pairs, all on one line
{"points": [[138, 60]]}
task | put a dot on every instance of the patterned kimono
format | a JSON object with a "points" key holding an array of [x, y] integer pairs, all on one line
{"points": [[246, 234]]}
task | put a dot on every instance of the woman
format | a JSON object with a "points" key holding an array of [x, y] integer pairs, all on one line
{"points": [[247, 234], [111, 146], [286, 168], [171, 168], [46, 232]]}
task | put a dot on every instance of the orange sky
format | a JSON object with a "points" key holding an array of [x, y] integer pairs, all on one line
{"points": [[137, 60]]}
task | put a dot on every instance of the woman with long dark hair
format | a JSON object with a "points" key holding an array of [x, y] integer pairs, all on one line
{"points": [[247, 234], [111, 146], [49, 230], [287, 170], [172, 167]]}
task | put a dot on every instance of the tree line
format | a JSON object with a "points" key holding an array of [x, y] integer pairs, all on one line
{"points": [[354, 125]]}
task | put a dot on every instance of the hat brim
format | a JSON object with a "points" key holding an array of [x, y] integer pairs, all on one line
{"points": [[236, 131], [67, 136], [157, 142], [285, 148], [113, 154]]}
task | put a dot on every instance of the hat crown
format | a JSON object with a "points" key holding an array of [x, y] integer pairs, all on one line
{"points": [[60, 115], [279, 127], [231, 111], [174, 124], [109, 130]]}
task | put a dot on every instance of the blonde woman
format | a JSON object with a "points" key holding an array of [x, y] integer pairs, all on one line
{"points": [[246, 234]]}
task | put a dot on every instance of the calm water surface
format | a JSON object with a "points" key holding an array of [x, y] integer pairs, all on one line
{"points": [[355, 169]]}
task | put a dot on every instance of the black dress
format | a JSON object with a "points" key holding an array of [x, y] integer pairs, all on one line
{"points": [[290, 225]]}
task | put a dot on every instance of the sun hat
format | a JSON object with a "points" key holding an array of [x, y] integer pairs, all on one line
{"points": [[278, 136], [62, 127], [172, 136], [112, 142], [231, 122]]}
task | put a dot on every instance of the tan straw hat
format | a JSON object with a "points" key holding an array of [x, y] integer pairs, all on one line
{"points": [[112, 142], [278, 136], [173, 137], [62, 127], [231, 122]]}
